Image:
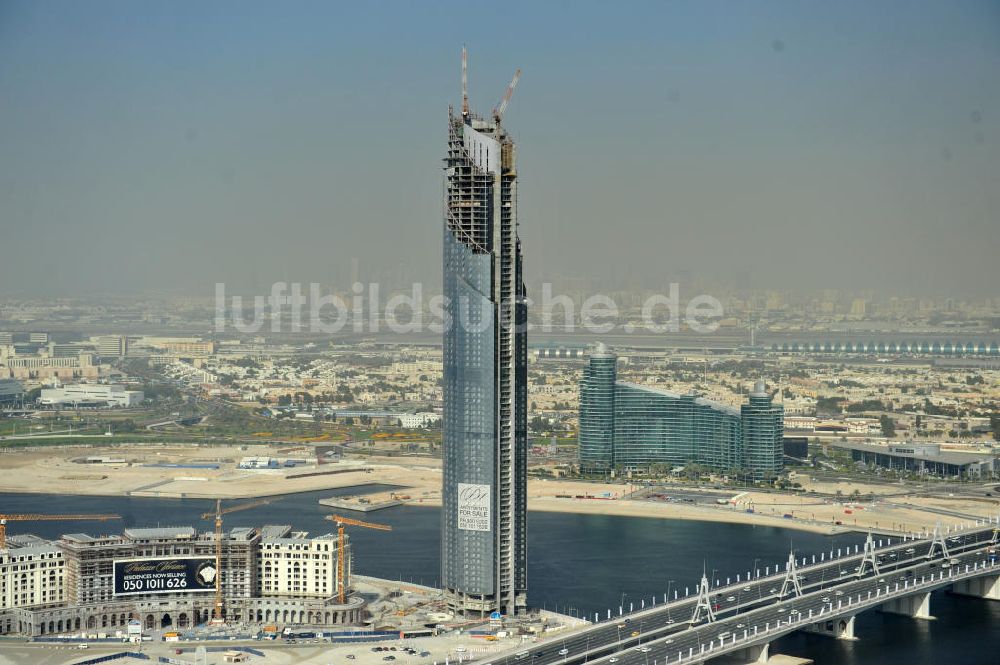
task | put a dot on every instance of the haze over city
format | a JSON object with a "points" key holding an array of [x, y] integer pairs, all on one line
{"points": [[160, 148], [523, 333]]}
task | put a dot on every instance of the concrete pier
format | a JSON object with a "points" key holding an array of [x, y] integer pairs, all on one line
{"points": [[917, 605], [841, 628], [987, 587]]}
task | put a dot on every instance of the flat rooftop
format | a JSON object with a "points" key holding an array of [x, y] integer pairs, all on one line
{"points": [[958, 459], [161, 533]]}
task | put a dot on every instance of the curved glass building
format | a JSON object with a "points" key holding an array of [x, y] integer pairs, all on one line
{"points": [[763, 427], [628, 426], [597, 416], [483, 558]]}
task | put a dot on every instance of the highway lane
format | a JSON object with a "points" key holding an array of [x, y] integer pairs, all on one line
{"points": [[736, 599], [767, 623]]}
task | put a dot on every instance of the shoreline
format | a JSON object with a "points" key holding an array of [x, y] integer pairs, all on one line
{"points": [[613, 508], [179, 472]]}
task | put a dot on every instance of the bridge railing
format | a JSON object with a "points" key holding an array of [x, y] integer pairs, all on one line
{"points": [[842, 555], [865, 601]]}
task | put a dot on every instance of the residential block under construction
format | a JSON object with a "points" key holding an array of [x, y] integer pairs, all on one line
{"points": [[175, 577]]}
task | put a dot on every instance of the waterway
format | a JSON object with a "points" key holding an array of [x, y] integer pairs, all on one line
{"points": [[580, 564]]}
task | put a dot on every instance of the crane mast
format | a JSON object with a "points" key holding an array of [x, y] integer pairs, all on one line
{"points": [[218, 610], [465, 84], [499, 109], [341, 547]]}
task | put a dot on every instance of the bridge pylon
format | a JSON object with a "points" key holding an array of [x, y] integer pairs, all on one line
{"points": [[869, 558], [791, 577], [704, 603], [938, 539]]}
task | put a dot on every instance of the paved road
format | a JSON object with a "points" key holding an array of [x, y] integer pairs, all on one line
{"points": [[666, 631]]}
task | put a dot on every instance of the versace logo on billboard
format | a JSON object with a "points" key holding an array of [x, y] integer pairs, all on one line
{"points": [[158, 576]]}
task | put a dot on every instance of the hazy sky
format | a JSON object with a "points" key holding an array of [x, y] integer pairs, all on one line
{"points": [[165, 146]]}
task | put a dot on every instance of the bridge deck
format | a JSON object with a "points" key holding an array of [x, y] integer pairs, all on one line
{"points": [[750, 613]]}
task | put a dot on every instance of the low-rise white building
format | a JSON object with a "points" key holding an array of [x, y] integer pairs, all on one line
{"points": [[421, 419], [258, 463], [110, 394]]}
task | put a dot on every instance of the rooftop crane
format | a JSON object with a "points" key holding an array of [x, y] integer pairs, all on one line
{"points": [[341, 521], [465, 84], [4, 518], [219, 512], [498, 111]]}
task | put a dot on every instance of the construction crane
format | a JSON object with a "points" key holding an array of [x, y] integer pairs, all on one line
{"points": [[219, 512], [341, 521], [498, 111], [47, 518], [465, 84]]}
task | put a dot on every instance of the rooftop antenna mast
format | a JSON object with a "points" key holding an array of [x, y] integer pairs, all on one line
{"points": [[465, 83]]}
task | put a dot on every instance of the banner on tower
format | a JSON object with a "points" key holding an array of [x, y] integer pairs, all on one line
{"points": [[474, 507], [180, 575]]}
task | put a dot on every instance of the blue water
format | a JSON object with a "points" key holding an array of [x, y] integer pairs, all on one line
{"points": [[581, 564]]}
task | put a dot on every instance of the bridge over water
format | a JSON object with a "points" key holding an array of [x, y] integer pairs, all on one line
{"points": [[735, 621]]}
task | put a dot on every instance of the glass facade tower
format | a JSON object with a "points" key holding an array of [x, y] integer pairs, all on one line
{"points": [[658, 427], [763, 425], [597, 417], [483, 531], [628, 426]]}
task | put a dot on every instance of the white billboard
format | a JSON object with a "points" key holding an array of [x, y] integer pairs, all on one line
{"points": [[474, 507]]}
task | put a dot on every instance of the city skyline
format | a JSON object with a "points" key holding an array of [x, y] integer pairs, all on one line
{"points": [[291, 362]]}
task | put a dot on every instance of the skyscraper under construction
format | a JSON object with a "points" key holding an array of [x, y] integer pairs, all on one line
{"points": [[483, 544]]}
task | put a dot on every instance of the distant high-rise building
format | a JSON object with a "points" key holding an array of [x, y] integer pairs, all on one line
{"points": [[763, 433], [483, 545], [62, 350], [628, 426], [38, 338], [111, 346], [355, 271], [192, 347], [597, 410]]}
